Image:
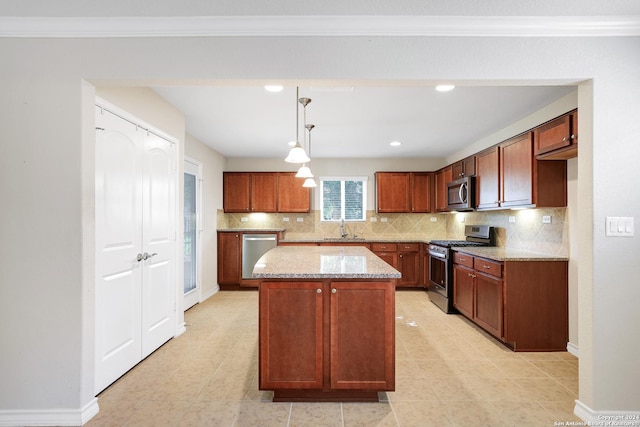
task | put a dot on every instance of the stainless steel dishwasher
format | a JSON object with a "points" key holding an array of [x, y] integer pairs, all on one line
{"points": [[253, 247]]}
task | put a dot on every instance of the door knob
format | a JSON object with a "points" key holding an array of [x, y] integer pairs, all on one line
{"points": [[139, 257], [146, 256]]}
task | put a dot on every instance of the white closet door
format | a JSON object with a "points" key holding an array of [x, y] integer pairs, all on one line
{"points": [[135, 245], [158, 240], [118, 230]]}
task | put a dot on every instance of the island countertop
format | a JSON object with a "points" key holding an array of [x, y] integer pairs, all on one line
{"points": [[322, 262]]}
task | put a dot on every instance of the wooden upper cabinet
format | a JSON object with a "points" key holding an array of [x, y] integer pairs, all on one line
{"points": [[263, 192], [557, 139], [250, 191], [464, 167], [421, 192], [442, 178], [236, 192], [516, 171], [392, 192], [292, 196], [488, 179]]}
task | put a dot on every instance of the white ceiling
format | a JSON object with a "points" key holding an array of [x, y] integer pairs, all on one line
{"points": [[353, 121]]}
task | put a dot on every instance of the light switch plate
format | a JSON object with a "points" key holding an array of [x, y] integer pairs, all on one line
{"points": [[300, 219], [383, 220], [512, 219], [244, 219], [374, 219], [619, 226], [546, 219], [434, 219], [285, 218]]}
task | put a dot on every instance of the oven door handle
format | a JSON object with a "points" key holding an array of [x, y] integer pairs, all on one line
{"points": [[437, 255]]}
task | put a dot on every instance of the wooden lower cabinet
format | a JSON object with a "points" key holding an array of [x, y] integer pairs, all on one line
{"points": [[229, 258], [409, 264], [522, 303], [327, 340]]}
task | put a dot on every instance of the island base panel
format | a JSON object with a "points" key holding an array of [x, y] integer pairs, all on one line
{"points": [[324, 396]]}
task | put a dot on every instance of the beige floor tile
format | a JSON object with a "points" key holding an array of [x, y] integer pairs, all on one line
{"points": [[448, 373], [368, 415], [422, 414], [325, 414]]}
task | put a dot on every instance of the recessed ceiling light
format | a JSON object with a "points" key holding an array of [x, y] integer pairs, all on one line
{"points": [[444, 88], [395, 143], [273, 88]]}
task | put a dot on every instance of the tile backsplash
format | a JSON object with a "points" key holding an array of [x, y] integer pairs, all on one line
{"points": [[520, 229]]}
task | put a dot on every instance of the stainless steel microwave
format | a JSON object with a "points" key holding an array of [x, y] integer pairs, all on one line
{"points": [[461, 194]]}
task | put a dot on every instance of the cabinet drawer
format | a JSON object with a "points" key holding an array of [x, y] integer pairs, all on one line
{"points": [[409, 247], [488, 267], [463, 259], [384, 247]]}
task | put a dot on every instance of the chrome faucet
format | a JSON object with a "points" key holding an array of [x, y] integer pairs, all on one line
{"points": [[343, 232]]}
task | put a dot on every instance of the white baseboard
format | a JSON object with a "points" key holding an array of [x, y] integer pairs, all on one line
{"points": [[573, 349], [607, 417], [52, 417], [209, 294]]}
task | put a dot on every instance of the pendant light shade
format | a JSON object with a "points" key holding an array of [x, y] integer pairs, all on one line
{"points": [[304, 172], [310, 182], [297, 153]]}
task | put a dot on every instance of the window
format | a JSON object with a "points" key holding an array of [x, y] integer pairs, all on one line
{"points": [[343, 198]]}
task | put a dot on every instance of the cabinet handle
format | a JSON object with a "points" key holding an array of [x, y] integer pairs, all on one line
{"points": [[319, 291], [334, 290], [573, 137], [486, 266], [564, 139], [400, 255]]}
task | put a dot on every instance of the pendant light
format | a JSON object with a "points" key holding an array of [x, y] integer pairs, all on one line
{"points": [[305, 171], [297, 153], [309, 182]]}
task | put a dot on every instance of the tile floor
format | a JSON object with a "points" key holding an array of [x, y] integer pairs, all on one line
{"points": [[448, 373]]}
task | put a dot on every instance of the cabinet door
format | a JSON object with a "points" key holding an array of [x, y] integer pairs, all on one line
{"points": [[236, 190], [488, 179], [263, 192], [442, 178], [229, 258], [362, 335], [292, 196], [488, 303], [463, 283], [392, 192], [421, 192], [516, 171], [390, 258], [409, 266], [469, 168], [291, 332], [553, 135]]}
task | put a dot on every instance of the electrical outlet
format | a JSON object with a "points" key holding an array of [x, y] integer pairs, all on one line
{"points": [[374, 219], [300, 219], [434, 219], [512, 219], [244, 219], [383, 220], [285, 218], [546, 219]]}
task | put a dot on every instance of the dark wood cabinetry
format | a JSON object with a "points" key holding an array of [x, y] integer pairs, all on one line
{"points": [[464, 167], [508, 175], [409, 264], [442, 178], [229, 258], [557, 139], [264, 192], [249, 191], [327, 340], [292, 196], [522, 303], [403, 192]]}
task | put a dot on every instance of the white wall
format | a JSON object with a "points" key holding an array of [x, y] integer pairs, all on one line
{"points": [[212, 168], [45, 297]]}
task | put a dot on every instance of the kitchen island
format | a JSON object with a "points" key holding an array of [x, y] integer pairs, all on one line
{"points": [[326, 323]]}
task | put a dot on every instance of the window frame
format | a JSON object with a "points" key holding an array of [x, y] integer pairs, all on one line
{"points": [[342, 180]]}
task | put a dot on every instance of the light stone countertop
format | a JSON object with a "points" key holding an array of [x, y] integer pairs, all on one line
{"points": [[506, 254], [322, 262]]}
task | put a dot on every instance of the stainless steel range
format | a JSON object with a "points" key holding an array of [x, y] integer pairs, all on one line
{"points": [[441, 263]]}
